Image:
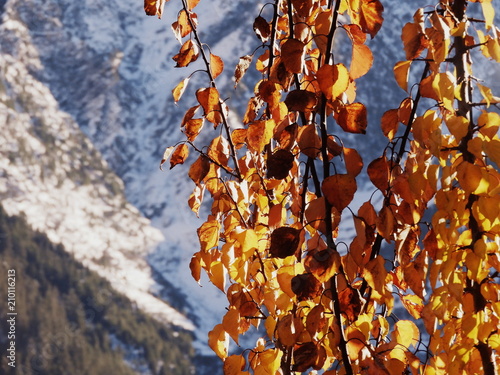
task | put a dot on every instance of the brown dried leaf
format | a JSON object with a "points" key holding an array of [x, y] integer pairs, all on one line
{"points": [[242, 68], [279, 164], [306, 286], [350, 303], [285, 241], [262, 28], [301, 100], [304, 356]]}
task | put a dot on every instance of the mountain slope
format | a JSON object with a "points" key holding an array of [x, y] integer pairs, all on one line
{"points": [[70, 320]]}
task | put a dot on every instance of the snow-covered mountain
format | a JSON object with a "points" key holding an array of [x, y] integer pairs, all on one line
{"points": [[86, 112]]}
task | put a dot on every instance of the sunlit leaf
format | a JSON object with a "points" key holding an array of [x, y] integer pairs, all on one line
{"points": [[401, 73], [199, 169], [379, 172], [179, 89], [179, 155], [259, 133], [234, 365], [361, 60], [218, 340], [390, 123], [166, 154], [353, 118], [182, 27], [353, 161], [406, 333], [414, 40], [309, 141], [333, 80], [369, 16], [188, 53], [216, 65]]}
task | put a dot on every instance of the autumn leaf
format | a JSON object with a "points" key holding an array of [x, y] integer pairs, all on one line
{"points": [[361, 60], [350, 303], [304, 356], [179, 155], [333, 80], [379, 172], [309, 141], [182, 27], [369, 16], [306, 286], [339, 190], [216, 65], [285, 241], [289, 329], [414, 40], [322, 264], [353, 118], [353, 161], [401, 73], [292, 55], [241, 68], [188, 53], [390, 123], [199, 169], [262, 28], [234, 365], [279, 164], [166, 154], [301, 100], [179, 89], [259, 133], [218, 341]]}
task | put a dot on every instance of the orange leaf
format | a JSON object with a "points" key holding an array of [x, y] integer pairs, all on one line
{"points": [[333, 80], [188, 53], [216, 65], [390, 123], [182, 27], [414, 41], [242, 68], [374, 273], [179, 155], [401, 73], [339, 190], [231, 323], [234, 365], [219, 150], [192, 3], [406, 333], [199, 169], [353, 161], [309, 141], [150, 7], [306, 286], [361, 61], [239, 136], [195, 266], [292, 55], [404, 110], [352, 118], [210, 102], [259, 134], [192, 128], [369, 16], [208, 234], [179, 89], [322, 264], [288, 329]]}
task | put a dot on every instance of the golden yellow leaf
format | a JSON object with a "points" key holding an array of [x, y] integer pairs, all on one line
{"points": [[406, 333], [259, 134], [208, 234], [219, 150], [458, 126], [218, 340], [231, 323], [333, 80], [375, 274], [217, 275], [234, 365], [339, 190], [401, 73], [179, 89]]}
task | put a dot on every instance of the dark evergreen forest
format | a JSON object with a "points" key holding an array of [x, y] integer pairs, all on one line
{"points": [[70, 321]]}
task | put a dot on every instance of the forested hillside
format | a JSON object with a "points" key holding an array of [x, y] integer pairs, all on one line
{"points": [[70, 321]]}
